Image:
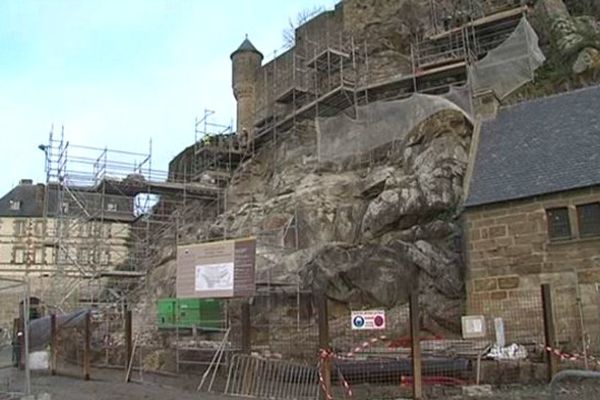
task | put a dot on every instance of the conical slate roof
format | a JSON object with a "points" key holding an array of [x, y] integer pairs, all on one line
{"points": [[246, 46]]}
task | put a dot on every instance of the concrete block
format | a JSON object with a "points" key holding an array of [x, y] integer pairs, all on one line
{"points": [[477, 390], [484, 285], [508, 282], [497, 231], [500, 295]]}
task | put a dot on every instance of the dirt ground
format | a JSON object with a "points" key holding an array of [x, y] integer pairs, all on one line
{"points": [[105, 385], [108, 384]]}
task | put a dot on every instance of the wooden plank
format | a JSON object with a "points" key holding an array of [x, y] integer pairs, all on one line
{"points": [[415, 336], [87, 347], [128, 338], [246, 328], [481, 21], [549, 330], [324, 341], [53, 344]]}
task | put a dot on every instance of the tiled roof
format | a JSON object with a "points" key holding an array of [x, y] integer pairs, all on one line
{"points": [[246, 46], [538, 147]]}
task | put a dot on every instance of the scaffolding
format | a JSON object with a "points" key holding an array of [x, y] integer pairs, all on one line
{"points": [[216, 151], [106, 212], [330, 73], [319, 79]]}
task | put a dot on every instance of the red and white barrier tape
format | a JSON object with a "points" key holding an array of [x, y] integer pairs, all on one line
{"points": [[324, 355], [365, 344], [570, 356]]}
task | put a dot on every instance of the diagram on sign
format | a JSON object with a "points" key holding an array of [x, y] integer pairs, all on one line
{"points": [[214, 277], [368, 319]]}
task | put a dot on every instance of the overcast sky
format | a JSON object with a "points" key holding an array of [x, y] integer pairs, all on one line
{"points": [[118, 72]]}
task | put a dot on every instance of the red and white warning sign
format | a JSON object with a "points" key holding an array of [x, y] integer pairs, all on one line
{"points": [[368, 319]]}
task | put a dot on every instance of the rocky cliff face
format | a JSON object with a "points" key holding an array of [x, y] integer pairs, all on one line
{"points": [[364, 231]]}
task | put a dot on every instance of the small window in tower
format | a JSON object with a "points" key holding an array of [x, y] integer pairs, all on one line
{"points": [[559, 226], [588, 216], [112, 207], [14, 205]]}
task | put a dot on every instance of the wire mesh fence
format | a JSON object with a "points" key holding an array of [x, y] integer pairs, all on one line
{"points": [[14, 343], [279, 353]]}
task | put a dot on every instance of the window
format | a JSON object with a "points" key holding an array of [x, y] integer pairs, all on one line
{"points": [[14, 205], [559, 226], [112, 207], [39, 228], [83, 255], [85, 229], [104, 257], [62, 256], [20, 228], [38, 256], [588, 217], [19, 255]]}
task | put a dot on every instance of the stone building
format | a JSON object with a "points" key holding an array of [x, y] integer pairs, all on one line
{"points": [[28, 248], [533, 212]]}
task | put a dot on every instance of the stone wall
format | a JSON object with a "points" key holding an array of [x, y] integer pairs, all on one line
{"points": [[510, 255]]}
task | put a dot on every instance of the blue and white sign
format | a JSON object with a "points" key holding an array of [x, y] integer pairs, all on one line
{"points": [[368, 319]]}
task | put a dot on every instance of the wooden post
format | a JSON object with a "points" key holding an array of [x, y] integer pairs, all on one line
{"points": [[549, 331], [128, 339], [323, 316], [53, 344], [246, 342], [21, 344], [86, 349], [415, 340]]}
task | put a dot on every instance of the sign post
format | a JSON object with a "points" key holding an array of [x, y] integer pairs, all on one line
{"points": [[222, 269]]}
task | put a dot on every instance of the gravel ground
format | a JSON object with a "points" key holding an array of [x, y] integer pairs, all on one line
{"points": [[109, 384], [106, 385]]}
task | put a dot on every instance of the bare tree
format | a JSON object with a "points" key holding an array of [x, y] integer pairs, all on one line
{"points": [[289, 33]]}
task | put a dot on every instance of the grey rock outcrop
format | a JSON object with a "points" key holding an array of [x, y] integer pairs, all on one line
{"points": [[575, 38], [366, 235]]}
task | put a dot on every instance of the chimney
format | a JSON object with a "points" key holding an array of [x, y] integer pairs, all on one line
{"points": [[26, 182]]}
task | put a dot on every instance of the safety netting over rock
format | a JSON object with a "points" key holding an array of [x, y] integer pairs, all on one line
{"points": [[379, 123], [503, 70], [510, 65]]}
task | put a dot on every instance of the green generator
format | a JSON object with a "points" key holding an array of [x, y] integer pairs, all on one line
{"points": [[203, 314]]}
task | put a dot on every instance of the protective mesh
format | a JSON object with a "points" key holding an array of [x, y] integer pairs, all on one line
{"points": [[510, 65], [11, 294], [503, 70], [39, 329], [377, 124]]}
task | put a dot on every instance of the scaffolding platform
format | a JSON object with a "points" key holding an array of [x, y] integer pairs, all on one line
{"points": [[292, 94], [471, 40], [327, 59], [330, 103], [106, 215], [485, 21], [134, 188]]}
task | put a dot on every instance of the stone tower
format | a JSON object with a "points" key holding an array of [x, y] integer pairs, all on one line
{"points": [[246, 61]]}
